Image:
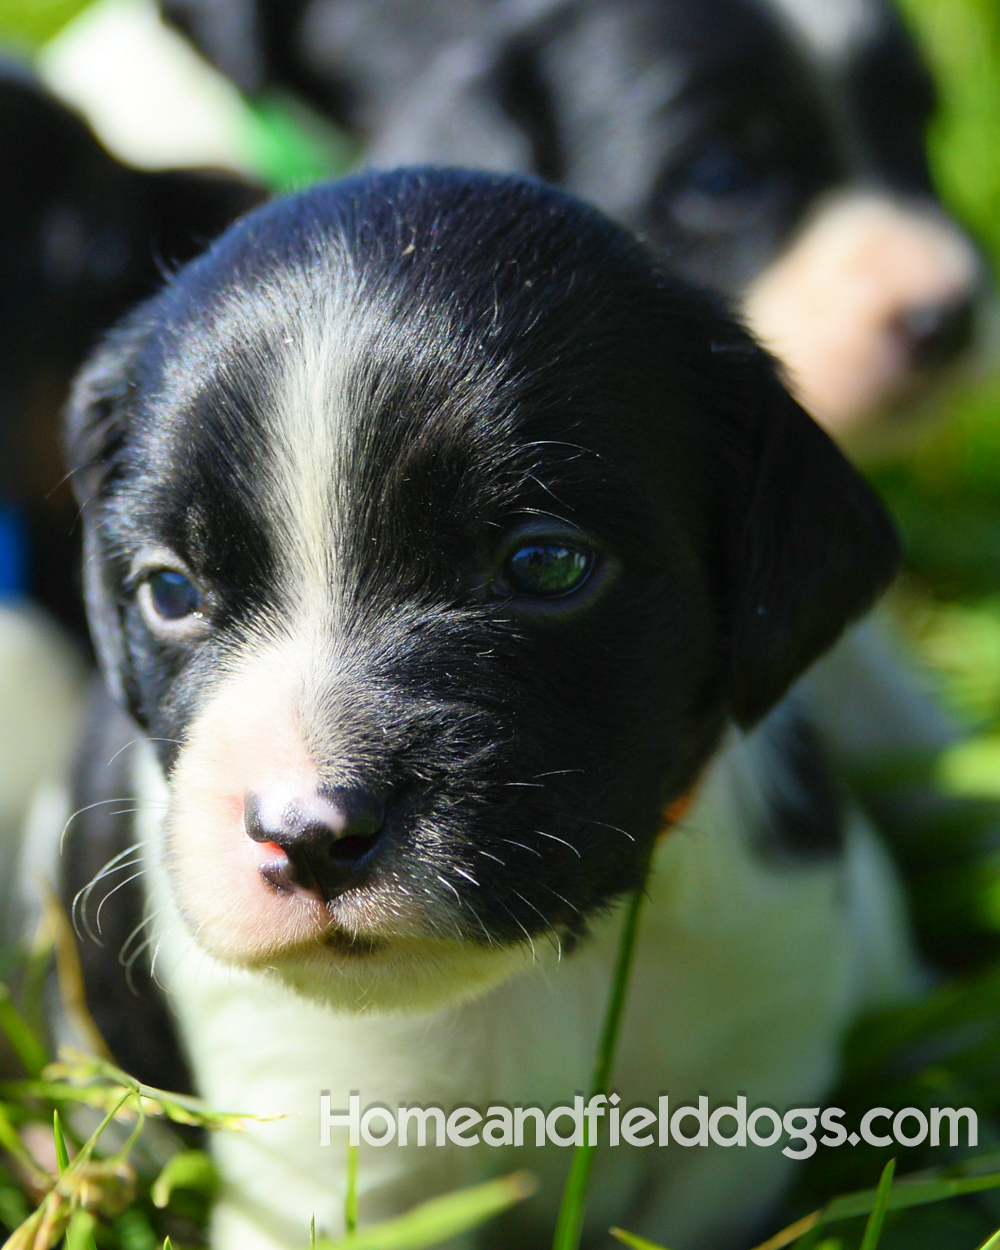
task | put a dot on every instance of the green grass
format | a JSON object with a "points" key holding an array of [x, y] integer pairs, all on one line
{"points": [[572, 1209]]}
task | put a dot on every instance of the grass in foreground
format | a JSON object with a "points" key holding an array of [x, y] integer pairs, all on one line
{"points": [[93, 1159]]}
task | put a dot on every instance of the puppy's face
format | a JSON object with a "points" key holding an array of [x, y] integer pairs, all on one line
{"points": [[433, 535], [776, 150]]}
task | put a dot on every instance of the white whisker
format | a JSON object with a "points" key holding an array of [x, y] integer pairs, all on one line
{"points": [[541, 834], [121, 885]]}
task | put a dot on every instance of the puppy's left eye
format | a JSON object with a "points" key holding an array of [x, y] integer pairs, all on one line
{"points": [[547, 570]]}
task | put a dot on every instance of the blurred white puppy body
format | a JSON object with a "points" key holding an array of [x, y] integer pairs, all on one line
{"points": [[41, 686]]}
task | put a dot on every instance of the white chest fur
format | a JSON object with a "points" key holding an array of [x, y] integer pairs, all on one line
{"points": [[746, 976]]}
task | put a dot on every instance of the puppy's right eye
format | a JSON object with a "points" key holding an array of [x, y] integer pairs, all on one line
{"points": [[171, 604], [547, 570], [173, 596]]}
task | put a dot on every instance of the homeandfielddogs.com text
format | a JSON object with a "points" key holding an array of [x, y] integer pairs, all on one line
{"points": [[685, 1125]]}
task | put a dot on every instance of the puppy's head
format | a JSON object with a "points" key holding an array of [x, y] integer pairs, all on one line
{"points": [[433, 534], [773, 149]]}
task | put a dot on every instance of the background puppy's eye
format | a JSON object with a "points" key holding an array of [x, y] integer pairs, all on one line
{"points": [[718, 170], [547, 570], [737, 175], [172, 595]]}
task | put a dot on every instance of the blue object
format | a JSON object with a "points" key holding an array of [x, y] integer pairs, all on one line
{"points": [[13, 552]]}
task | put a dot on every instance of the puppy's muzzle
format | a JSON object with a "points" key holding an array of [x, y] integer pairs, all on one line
{"points": [[936, 334], [324, 842]]}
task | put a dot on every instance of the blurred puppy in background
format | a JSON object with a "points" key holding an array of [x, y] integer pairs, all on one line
{"points": [[439, 541], [772, 149], [82, 238]]}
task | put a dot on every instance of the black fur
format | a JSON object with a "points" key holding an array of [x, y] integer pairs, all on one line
{"points": [[805, 822], [511, 357]]}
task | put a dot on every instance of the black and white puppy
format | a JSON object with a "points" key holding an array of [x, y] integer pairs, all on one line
{"points": [[439, 540], [772, 149]]}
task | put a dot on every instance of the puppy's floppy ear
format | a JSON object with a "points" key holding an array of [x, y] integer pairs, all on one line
{"points": [[93, 434], [810, 549]]}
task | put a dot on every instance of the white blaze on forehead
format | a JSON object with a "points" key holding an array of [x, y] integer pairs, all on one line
{"points": [[832, 29], [311, 430]]}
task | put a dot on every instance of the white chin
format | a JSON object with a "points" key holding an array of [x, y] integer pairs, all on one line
{"points": [[407, 975]]}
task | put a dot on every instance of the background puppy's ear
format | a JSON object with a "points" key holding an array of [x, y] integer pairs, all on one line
{"points": [[523, 98], [811, 549], [485, 102], [228, 33], [93, 433]]}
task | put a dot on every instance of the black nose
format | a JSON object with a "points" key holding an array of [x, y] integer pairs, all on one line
{"points": [[936, 334], [328, 837]]}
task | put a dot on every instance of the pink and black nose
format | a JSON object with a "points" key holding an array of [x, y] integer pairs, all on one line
{"points": [[326, 839]]}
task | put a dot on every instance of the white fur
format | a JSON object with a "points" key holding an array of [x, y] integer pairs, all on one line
{"points": [[831, 29], [311, 428], [746, 977], [41, 687]]}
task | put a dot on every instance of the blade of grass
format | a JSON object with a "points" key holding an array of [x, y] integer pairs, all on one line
{"points": [[187, 1169], [351, 1198], [312, 1233], [906, 1193], [992, 1243], [631, 1240], [90, 1144], [12, 1143], [792, 1233], [569, 1225], [873, 1229], [26, 1045], [62, 1152], [80, 1231], [909, 1194], [80, 1069], [69, 973], [811, 1240], [438, 1220], [44, 1225], [34, 977]]}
